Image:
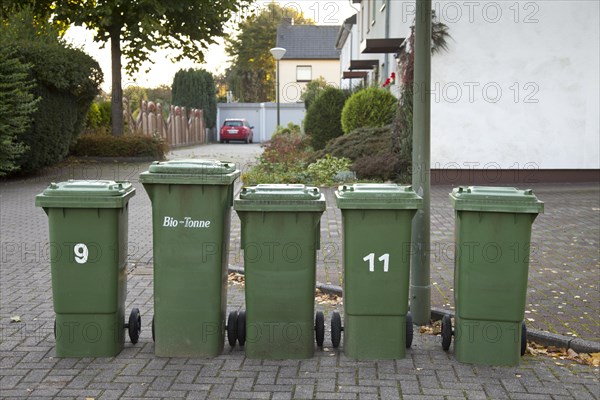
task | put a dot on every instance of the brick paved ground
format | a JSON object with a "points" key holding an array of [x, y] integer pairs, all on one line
{"points": [[563, 297]]}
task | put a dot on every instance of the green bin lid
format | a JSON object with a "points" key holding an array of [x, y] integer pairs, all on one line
{"points": [[280, 197], [495, 199], [86, 194], [191, 172], [377, 196]]}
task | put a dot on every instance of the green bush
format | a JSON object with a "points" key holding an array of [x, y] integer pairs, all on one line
{"points": [[17, 105], [285, 160], [65, 79], [323, 118], [371, 107], [375, 153], [119, 146], [324, 171], [195, 88]]}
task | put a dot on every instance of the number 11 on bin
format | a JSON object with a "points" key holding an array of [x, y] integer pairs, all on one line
{"points": [[371, 259]]}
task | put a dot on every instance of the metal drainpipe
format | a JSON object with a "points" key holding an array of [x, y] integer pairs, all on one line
{"points": [[386, 69], [420, 289]]}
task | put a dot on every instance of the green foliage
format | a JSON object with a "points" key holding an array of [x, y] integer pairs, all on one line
{"points": [[313, 89], [195, 88], [324, 170], [323, 118], [93, 118], [17, 105], [371, 107], [65, 79], [285, 160], [375, 153], [119, 146], [252, 74], [135, 95], [160, 94], [288, 147]]}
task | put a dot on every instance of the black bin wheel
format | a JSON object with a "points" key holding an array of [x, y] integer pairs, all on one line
{"points": [[320, 328], [232, 322], [446, 332], [409, 330], [241, 328], [153, 328], [54, 328], [336, 328], [135, 325], [523, 338]]}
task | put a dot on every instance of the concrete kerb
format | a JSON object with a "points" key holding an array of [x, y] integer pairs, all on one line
{"points": [[534, 335]]}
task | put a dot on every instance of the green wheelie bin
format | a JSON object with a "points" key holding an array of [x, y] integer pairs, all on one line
{"points": [[280, 237], [377, 222], [191, 210], [491, 264], [88, 257]]}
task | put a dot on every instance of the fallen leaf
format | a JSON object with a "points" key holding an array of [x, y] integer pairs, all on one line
{"points": [[236, 279], [15, 318]]}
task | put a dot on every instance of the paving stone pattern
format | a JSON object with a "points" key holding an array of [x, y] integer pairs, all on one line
{"points": [[563, 298]]}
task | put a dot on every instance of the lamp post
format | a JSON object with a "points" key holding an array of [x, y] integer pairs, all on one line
{"points": [[278, 53], [420, 289]]}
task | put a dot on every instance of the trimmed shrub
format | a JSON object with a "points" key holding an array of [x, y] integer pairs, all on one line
{"points": [[65, 79], [323, 118], [195, 88], [119, 146], [374, 152], [371, 107]]}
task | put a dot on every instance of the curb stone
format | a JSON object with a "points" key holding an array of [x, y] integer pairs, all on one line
{"points": [[540, 337]]}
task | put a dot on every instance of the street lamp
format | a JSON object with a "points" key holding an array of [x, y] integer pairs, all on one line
{"points": [[278, 53]]}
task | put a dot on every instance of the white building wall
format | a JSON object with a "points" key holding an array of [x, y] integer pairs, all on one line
{"points": [[518, 87], [263, 116], [291, 90]]}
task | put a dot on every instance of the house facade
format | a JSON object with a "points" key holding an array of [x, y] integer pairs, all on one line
{"points": [[310, 54], [515, 97]]}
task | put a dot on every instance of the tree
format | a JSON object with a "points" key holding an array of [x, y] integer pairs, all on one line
{"points": [[17, 105], [135, 29], [252, 75], [195, 88]]}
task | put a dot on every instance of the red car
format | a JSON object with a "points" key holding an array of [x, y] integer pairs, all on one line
{"points": [[236, 129]]}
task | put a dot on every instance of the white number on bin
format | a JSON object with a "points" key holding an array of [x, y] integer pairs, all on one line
{"points": [[370, 258], [81, 253]]}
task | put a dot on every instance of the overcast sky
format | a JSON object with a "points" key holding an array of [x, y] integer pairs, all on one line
{"points": [[323, 12]]}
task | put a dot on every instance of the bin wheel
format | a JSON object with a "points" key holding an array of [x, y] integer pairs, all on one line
{"points": [[409, 330], [54, 328], [241, 328], [232, 322], [523, 338], [320, 328], [336, 329], [135, 325], [446, 332]]}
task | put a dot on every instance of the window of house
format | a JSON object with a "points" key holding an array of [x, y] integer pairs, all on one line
{"points": [[303, 73]]}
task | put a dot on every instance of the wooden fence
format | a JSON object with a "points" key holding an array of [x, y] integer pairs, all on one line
{"points": [[180, 128]]}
